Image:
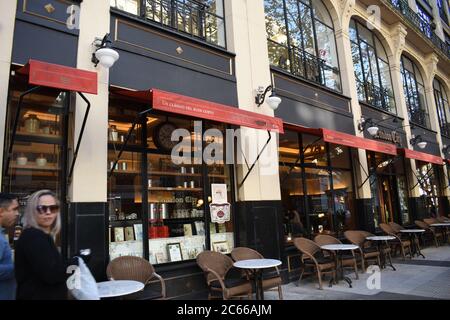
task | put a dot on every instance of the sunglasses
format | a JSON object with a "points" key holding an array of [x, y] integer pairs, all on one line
{"points": [[44, 209]]}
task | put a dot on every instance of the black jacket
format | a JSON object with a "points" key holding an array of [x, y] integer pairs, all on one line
{"points": [[40, 270]]}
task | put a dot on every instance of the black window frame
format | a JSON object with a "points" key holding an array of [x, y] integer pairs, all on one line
{"points": [[442, 107]]}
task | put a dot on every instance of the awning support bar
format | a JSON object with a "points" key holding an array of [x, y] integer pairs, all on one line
{"points": [[257, 158], [16, 123], [139, 115], [420, 180], [80, 137]]}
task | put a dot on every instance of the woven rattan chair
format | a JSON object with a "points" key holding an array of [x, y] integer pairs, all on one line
{"points": [[347, 260], [398, 242], [137, 269], [313, 257], [367, 251], [270, 282], [396, 227], [443, 219], [430, 231], [216, 266]]}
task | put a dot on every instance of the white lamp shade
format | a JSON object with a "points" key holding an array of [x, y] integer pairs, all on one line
{"points": [[422, 145], [373, 131], [274, 102], [107, 57]]}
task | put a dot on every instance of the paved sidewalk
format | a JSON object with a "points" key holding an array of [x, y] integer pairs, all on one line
{"points": [[414, 279]]}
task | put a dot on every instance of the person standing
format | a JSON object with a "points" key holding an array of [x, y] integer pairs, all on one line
{"points": [[40, 269], [9, 211]]}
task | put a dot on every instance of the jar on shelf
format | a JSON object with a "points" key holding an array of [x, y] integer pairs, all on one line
{"points": [[41, 161], [32, 123], [22, 159], [113, 133]]}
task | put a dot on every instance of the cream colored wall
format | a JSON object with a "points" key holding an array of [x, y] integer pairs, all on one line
{"points": [[246, 36], [90, 174], [7, 19]]}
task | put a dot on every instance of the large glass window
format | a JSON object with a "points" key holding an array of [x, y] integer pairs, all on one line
{"points": [[429, 177], [373, 77], [159, 205], [425, 19], [202, 19], [443, 107], [443, 13], [301, 40], [414, 90], [316, 186]]}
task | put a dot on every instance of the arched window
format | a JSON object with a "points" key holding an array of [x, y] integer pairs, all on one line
{"points": [[442, 106], [414, 90], [373, 77], [301, 40]]}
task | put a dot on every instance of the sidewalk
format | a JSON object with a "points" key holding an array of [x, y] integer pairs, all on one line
{"points": [[414, 279]]}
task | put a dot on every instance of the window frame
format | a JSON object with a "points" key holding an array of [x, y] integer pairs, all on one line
{"points": [[441, 100]]}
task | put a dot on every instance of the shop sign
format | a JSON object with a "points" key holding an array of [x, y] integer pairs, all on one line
{"points": [[392, 136], [219, 208]]}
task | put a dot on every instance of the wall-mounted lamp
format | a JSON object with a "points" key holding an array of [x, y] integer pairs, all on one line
{"points": [[418, 140], [273, 101], [368, 124], [445, 149], [104, 55]]}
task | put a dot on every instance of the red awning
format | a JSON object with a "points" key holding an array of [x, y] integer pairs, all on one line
{"points": [[175, 103], [349, 140], [60, 77], [425, 157]]}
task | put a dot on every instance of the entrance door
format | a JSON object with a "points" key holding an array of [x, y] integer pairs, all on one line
{"points": [[386, 189]]}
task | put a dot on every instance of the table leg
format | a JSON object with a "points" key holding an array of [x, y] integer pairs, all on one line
{"points": [[389, 256], [417, 246], [259, 285], [347, 279]]}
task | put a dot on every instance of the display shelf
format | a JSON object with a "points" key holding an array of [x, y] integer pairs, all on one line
{"points": [[171, 189], [125, 172], [34, 167], [38, 137], [119, 223], [178, 174], [183, 220]]}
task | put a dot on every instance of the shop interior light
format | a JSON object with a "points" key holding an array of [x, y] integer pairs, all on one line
{"points": [[418, 140], [104, 54], [273, 100]]}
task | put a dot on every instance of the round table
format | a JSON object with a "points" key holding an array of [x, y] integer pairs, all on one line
{"points": [[414, 240], [338, 249], [117, 288], [380, 240], [255, 266]]}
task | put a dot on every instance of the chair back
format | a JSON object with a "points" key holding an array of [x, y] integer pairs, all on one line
{"points": [[387, 228], [243, 253], [130, 268], [357, 237], [422, 225], [216, 261], [396, 227], [306, 246], [323, 239], [430, 221], [443, 219]]}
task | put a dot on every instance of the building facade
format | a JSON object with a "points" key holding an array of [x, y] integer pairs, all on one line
{"points": [[364, 135]]}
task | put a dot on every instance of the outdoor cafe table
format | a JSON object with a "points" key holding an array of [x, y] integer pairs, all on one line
{"points": [[256, 266], [380, 240], [414, 240], [118, 288], [444, 226], [338, 249]]}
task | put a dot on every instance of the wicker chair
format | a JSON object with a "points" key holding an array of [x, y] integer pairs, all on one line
{"points": [[443, 219], [430, 231], [396, 227], [137, 269], [313, 257], [366, 250], [347, 260], [399, 243], [242, 253], [216, 266]]}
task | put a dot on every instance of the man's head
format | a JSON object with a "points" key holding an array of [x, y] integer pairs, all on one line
{"points": [[9, 209]]}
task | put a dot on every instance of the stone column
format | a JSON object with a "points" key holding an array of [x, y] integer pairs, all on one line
{"points": [[7, 20], [246, 36], [89, 183]]}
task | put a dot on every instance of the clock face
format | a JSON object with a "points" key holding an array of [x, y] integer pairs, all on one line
{"points": [[162, 136]]}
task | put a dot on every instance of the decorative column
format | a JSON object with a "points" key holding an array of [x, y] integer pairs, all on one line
{"points": [[7, 20]]}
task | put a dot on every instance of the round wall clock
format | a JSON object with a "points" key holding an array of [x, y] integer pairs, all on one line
{"points": [[162, 136]]}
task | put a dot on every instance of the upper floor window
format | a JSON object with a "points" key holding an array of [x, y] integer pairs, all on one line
{"points": [[443, 108], [201, 19], [425, 20], [414, 89], [301, 40], [373, 77], [442, 10]]}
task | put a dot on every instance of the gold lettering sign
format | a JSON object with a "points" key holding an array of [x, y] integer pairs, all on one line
{"points": [[50, 8], [392, 136]]}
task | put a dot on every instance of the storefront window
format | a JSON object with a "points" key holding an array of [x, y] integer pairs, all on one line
{"points": [[317, 198], [429, 187], [310, 50], [163, 189]]}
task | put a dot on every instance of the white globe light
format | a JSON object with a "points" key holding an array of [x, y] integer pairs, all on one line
{"points": [[422, 145], [274, 102], [107, 57], [373, 131]]}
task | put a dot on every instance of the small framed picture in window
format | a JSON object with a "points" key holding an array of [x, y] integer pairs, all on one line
{"points": [[221, 246], [174, 250]]}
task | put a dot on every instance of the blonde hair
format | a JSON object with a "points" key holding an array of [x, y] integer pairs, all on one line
{"points": [[29, 218]]}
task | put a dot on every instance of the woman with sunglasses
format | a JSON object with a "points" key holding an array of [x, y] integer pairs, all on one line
{"points": [[40, 270]]}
